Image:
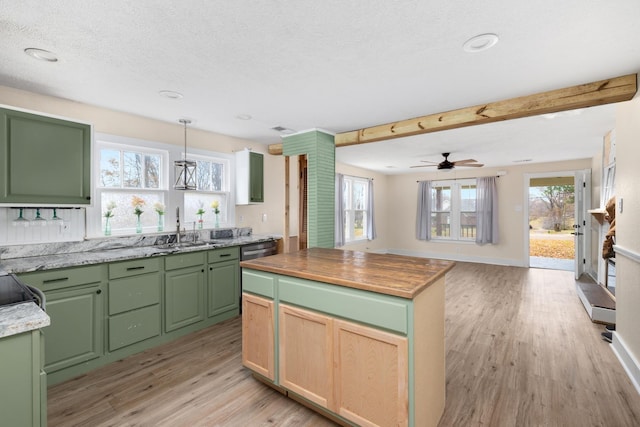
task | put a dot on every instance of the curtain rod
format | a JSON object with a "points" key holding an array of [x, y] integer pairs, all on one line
{"points": [[460, 179], [360, 177]]}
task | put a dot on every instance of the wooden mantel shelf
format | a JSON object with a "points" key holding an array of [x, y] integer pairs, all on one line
{"points": [[397, 275], [598, 214]]}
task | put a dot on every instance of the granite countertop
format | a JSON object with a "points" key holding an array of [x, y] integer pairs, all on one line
{"points": [[19, 318], [100, 255], [397, 275]]}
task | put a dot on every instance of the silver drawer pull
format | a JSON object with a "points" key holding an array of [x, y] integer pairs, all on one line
{"points": [[223, 255], [135, 268]]}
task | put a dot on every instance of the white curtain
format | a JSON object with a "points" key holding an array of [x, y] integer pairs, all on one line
{"points": [[423, 217], [339, 211], [487, 211], [371, 224]]}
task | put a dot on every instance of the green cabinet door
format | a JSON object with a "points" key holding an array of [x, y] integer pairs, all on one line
{"points": [[184, 297], [20, 396], [256, 177], [44, 160], [77, 323], [223, 283]]}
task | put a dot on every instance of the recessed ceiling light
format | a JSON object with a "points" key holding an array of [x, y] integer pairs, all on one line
{"points": [[480, 43], [171, 94], [41, 54], [244, 117]]}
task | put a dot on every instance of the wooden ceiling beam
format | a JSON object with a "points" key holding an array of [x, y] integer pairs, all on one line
{"points": [[602, 92]]}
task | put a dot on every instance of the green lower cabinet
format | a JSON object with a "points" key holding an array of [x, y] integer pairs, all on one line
{"points": [[20, 376], [223, 287], [76, 331], [184, 297]]}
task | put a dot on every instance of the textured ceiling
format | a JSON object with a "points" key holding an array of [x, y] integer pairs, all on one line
{"points": [[335, 65]]}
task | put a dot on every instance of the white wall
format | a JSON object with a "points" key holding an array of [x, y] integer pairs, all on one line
{"points": [[627, 336]]}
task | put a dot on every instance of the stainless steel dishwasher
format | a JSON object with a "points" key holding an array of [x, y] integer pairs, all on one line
{"points": [[253, 251]]}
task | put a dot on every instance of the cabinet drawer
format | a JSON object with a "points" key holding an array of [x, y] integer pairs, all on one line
{"points": [[174, 262], [134, 326], [134, 267], [378, 310], [259, 283], [224, 254], [64, 278], [134, 292]]}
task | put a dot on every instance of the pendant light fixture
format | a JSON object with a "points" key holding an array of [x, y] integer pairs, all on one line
{"points": [[185, 170]]}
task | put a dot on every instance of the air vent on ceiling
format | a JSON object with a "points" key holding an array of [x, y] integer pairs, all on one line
{"points": [[283, 129]]}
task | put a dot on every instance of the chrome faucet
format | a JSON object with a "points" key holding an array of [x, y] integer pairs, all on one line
{"points": [[177, 224]]}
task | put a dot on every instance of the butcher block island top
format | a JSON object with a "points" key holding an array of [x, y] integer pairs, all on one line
{"points": [[388, 274]]}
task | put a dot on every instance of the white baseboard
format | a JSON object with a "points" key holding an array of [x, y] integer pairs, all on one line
{"points": [[628, 361], [456, 257]]}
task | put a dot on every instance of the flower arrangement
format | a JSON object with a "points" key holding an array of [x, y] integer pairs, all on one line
{"points": [[200, 210], [137, 203], [159, 207], [216, 207], [110, 207]]}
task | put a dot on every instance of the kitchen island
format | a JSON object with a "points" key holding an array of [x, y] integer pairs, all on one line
{"points": [[357, 336]]}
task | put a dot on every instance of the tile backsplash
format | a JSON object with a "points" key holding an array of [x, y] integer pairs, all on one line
{"points": [[70, 229]]}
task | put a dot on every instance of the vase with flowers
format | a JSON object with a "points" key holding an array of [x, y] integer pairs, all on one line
{"points": [[107, 216], [200, 212], [215, 205], [137, 203], [159, 208]]}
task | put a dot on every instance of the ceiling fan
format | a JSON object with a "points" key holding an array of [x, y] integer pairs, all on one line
{"points": [[446, 164]]}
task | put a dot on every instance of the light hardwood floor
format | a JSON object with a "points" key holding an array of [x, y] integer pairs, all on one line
{"points": [[520, 351]]}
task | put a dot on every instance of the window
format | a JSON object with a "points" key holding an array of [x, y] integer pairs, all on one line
{"points": [[356, 215], [212, 181], [125, 168], [129, 175], [453, 210]]}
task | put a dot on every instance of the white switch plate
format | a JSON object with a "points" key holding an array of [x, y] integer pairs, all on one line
{"points": [[264, 217]]}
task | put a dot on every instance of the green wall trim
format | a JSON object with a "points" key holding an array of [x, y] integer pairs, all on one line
{"points": [[320, 149]]}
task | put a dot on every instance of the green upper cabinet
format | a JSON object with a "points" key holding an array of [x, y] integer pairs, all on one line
{"points": [[44, 160], [249, 177]]}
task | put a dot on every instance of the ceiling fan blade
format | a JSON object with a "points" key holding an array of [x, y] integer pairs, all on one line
{"points": [[429, 161], [423, 166], [460, 162], [472, 165]]}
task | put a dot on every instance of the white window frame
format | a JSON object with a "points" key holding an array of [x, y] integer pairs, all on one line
{"points": [[349, 211], [96, 213], [455, 210], [172, 198], [224, 195]]}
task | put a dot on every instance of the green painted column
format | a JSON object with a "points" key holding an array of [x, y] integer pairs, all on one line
{"points": [[320, 149]]}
